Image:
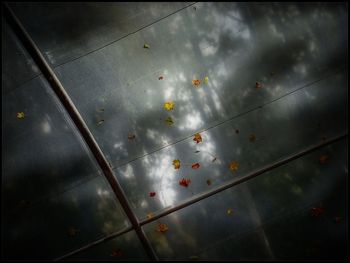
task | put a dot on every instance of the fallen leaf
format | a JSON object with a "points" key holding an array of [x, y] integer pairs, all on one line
{"points": [[196, 82], [197, 138], [324, 159], [229, 211], [162, 228], [184, 182], [160, 78], [252, 138], [169, 121], [316, 211], [150, 215], [169, 105], [177, 164], [233, 166], [206, 80], [195, 166], [131, 136], [116, 253], [146, 46], [209, 182], [151, 194], [338, 219], [100, 122], [20, 115], [258, 85], [214, 160], [72, 231]]}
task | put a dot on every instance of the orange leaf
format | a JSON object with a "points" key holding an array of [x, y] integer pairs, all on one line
{"points": [[195, 166], [196, 82], [162, 228], [233, 166], [177, 164], [197, 138], [324, 159], [252, 138], [184, 182]]}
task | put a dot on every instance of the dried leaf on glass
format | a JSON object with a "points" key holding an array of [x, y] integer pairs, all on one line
{"points": [[162, 228], [234, 166], [196, 82], [169, 105], [324, 159], [169, 121], [146, 46], [184, 182], [152, 194], [117, 253], [258, 85], [316, 211], [229, 211], [20, 115], [131, 137], [72, 231], [197, 138], [195, 166], [206, 80], [177, 164], [252, 138], [209, 182]]}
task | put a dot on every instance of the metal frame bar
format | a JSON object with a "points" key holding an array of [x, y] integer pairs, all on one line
{"points": [[58, 88], [217, 190]]}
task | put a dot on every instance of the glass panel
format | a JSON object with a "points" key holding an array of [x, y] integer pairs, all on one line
{"points": [[124, 248], [63, 223], [254, 140], [17, 66], [65, 31], [54, 198], [273, 216]]}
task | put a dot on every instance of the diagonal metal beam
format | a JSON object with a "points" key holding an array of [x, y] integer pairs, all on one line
{"points": [[61, 93]]}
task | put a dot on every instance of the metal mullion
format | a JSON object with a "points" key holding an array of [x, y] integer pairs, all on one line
{"points": [[64, 98]]}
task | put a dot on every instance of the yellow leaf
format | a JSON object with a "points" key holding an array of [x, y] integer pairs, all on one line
{"points": [[229, 211], [177, 164], [233, 166], [146, 46], [20, 115], [150, 215], [206, 80], [169, 105]]}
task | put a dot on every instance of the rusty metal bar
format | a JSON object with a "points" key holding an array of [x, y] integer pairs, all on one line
{"points": [[61, 93]]}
